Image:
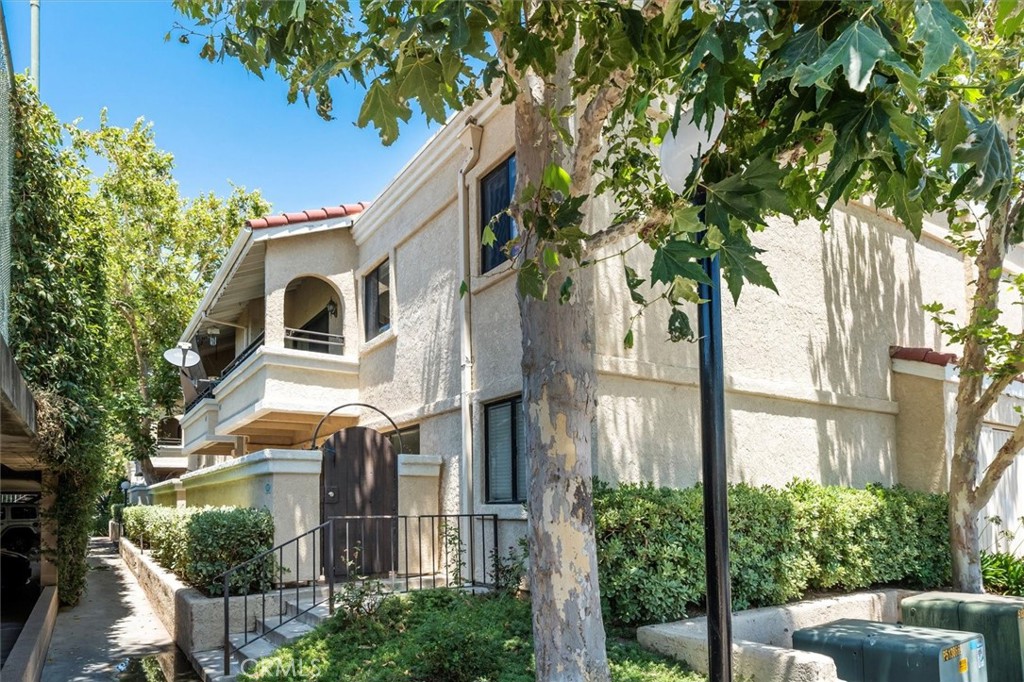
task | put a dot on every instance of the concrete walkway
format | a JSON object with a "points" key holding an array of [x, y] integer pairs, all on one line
{"points": [[112, 632]]}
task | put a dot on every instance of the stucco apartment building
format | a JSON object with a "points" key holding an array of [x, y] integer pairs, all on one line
{"points": [[839, 378]]}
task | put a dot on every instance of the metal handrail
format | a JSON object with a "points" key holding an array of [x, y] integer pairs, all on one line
{"points": [[327, 558]]}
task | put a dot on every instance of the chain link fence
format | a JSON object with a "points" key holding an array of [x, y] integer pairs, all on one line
{"points": [[6, 170]]}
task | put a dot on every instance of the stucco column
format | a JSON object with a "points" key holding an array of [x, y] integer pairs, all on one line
{"points": [[273, 320]]}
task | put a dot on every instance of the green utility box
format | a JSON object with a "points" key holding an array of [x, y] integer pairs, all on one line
{"points": [[999, 619], [866, 651]]}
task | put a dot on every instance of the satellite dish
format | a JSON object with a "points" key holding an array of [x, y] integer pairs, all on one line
{"points": [[181, 356]]}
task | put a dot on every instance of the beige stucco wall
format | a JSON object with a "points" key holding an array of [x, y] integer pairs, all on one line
{"points": [[920, 432], [330, 256], [284, 482]]}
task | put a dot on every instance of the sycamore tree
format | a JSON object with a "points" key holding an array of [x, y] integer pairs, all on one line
{"points": [[162, 250], [823, 102]]}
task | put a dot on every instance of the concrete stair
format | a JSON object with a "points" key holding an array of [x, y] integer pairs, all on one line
{"points": [[270, 633]]}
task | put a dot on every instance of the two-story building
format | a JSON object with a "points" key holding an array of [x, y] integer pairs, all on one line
{"points": [[364, 303]]}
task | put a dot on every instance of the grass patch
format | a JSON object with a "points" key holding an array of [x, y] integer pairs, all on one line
{"points": [[439, 635]]}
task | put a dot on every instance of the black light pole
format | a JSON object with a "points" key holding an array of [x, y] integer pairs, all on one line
{"points": [[678, 156], [715, 470]]}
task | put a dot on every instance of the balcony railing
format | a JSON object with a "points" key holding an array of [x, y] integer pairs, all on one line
{"points": [[316, 342], [242, 357]]}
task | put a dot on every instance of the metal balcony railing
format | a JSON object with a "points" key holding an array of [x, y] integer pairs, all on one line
{"points": [[315, 342]]}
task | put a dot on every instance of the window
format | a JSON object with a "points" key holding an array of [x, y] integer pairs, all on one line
{"points": [[377, 290], [505, 447], [495, 196], [410, 440]]}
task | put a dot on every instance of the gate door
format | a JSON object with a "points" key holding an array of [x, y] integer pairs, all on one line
{"points": [[360, 479]]}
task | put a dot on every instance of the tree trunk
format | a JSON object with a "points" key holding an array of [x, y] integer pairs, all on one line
{"points": [[145, 463], [965, 540], [559, 391]]}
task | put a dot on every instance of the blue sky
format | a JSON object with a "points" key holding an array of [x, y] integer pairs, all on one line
{"points": [[220, 122]]}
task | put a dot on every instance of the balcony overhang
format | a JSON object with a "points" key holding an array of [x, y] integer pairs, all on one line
{"points": [[277, 396]]}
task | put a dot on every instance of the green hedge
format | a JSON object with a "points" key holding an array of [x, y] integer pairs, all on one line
{"points": [[199, 544], [783, 542]]}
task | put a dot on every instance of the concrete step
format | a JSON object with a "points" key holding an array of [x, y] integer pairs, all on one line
{"points": [[304, 612], [282, 631], [210, 666]]}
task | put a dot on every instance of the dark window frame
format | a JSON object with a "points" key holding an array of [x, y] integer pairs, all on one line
{"points": [[505, 229], [406, 431], [373, 323], [518, 496]]}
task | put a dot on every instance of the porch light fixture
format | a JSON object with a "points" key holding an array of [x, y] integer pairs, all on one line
{"points": [[332, 308], [212, 333], [680, 155]]}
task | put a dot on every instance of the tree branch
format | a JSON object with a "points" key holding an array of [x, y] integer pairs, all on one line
{"points": [[614, 233], [994, 471], [995, 389], [588, 135]]}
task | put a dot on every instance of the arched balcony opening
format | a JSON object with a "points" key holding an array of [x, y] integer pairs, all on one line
{"points": [[313, 319], [168, 431]]}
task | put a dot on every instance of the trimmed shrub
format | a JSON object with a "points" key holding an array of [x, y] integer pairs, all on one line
{"points": [[783, 542], [116, 512], [199, 544], [217, 539]]}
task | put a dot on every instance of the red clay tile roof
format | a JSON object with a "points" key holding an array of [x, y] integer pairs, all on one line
{"points": [[922, 355], [305, 216]]}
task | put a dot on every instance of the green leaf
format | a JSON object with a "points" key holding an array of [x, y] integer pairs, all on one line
{"points": [[676, 259], [951, 129], [488, 238], [627, 342], [531, 281], [1009, 17], [679, 327], [384, 109], [687, 220], [423, 81], [634, 282], [805, 47], [988, 152], [557, 179], [565, 291], [857, 51], [739, 264], [463, 289], [550, 259], [938, 31]]}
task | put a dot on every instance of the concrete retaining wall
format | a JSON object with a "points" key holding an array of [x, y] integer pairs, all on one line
{"points": [[762, 637], [25, 661], [194, 620]]}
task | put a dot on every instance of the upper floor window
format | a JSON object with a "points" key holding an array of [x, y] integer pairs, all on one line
{"points": [[377, 293], [505, 448], [495, 196]]}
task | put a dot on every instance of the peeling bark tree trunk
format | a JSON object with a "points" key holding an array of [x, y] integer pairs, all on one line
{"points": [[965, 540], [146, 426], [559, 391]]}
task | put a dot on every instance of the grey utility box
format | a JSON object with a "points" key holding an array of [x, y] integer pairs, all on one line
{"points": [[866, 651], [999, 619]]}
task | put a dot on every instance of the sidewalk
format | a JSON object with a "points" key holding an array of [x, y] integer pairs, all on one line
{"points": [[109, 633]]}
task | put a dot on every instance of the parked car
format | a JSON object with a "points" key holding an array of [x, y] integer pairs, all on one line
{"points": [[19, 527]]}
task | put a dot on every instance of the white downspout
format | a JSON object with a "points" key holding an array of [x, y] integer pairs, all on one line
{"points": [[470, 138]]}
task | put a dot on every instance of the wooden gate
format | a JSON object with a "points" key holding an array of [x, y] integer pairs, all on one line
{"points": [[360, 479]]}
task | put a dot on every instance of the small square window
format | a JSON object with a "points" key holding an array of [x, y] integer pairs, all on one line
{"points": [[410, 444], [495, 196], [505, 449], [377, 299]]}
